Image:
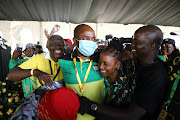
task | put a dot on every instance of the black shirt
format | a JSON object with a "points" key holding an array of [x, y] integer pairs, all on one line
{"points": [[151, 86]]}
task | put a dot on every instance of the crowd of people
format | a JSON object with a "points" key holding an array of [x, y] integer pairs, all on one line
{"points": [[74, 80]]}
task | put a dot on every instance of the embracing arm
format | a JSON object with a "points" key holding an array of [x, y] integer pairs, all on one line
{"points": [[17, 74], [131, 112]]}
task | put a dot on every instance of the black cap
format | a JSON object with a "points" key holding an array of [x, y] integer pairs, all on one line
{"points": [[169, 40]]}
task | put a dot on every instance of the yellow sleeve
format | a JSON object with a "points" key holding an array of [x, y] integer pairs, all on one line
{"points": [[31, 63]]}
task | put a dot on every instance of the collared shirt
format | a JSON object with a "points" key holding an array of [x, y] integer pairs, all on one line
{"points": [[41, 62]]}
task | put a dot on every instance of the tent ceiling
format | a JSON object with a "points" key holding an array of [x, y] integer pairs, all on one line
{"points": [[156, 12]]}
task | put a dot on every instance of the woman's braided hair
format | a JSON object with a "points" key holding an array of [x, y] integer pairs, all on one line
{"points": [[115, 47]]}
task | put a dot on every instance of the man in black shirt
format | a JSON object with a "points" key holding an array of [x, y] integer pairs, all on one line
{"points": [[151, 73], [151, 80]]}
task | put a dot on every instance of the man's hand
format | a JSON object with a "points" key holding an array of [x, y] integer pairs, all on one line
{"points": [[85, 105], [55, 29], [16, 54], [126, 55], [43, 77]]}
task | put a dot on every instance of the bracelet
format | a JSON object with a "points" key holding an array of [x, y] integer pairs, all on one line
{"points": [[32, 72]]}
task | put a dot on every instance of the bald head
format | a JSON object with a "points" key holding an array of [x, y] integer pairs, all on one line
{"points": [[153, 33], [82, 29], [146, 43]]}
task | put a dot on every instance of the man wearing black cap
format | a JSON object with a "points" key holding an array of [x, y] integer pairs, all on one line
{"points": [[168, 49], [171, 56], [168, 46]]}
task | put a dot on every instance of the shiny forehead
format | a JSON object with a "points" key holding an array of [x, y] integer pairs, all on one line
{"points": [[150, 30], [82, 29]]}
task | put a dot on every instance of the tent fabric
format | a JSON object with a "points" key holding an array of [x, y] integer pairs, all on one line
{"points": [[155, 12]]}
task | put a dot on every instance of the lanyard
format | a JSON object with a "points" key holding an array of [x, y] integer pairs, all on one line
{"points": [[173, 89], [81, 86], [52, 72]]}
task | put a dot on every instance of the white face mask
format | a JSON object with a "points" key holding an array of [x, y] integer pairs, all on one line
{"points": [[87, 47]]}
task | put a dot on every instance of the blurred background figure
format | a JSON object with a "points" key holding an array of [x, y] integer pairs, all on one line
{"points": [[101, 45], [168, 46], [29, 51], [69, 45], [168, 49], [109, 38], [17, 58], [28, 84], [38, 48]]}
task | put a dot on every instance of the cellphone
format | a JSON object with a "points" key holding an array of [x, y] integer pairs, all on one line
{"points": [[19, 47]]}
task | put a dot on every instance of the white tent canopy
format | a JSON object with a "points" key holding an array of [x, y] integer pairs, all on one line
{"points": [[155, 12]]}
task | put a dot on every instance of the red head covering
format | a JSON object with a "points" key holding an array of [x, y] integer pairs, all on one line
{"points": [[59, 104], [68, 41]]}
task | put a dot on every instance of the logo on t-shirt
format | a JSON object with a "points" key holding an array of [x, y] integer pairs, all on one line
{"points": [[95, 68]]}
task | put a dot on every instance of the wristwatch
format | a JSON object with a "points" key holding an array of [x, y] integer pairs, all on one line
{"points": [[94, 107]]}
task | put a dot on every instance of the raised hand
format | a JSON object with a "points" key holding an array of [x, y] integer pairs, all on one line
{"points": [[55, 29], [16, 54]]}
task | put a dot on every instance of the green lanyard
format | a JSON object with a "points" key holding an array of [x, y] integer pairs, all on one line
{"points": [[173, 89]]}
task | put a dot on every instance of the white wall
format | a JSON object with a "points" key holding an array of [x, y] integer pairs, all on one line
{"points": [[32, 31]]}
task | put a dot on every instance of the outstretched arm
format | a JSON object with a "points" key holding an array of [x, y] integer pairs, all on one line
{"points": [[17, 74]]}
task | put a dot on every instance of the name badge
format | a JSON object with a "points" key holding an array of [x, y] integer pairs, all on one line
{"points": [[164, 115]]}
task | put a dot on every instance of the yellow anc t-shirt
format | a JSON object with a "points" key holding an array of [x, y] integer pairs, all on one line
{"points": [[41, 62]]}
